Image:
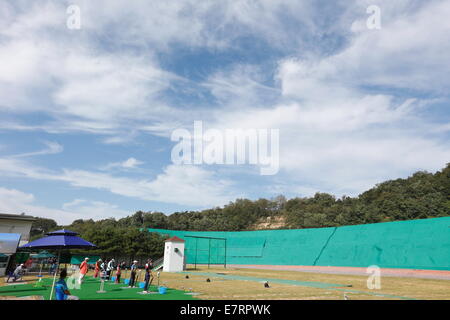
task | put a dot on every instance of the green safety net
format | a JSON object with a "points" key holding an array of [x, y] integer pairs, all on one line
{"points": [[205, 250], [78, 259], [412, 244], [21, 257]]}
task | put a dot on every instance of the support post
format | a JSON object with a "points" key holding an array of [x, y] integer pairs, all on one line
{"points": [[196, 245], [54, 277], [209, 253], [225, 262]]}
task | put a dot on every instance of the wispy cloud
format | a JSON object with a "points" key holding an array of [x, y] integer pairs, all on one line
{"points": [[52, 148], [16, 201], [130, 163], [176, 184]]}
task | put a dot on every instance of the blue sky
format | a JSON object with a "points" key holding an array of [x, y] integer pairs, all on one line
{"points": [[86, 115]]}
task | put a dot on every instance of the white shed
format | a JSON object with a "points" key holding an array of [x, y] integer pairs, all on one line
{"points": [[173, 255]]}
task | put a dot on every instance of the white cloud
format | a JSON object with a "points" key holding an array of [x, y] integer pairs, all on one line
{"points": [[130, 163], [339, 136], [95, 210], [47, 68], [52, 148], [343, 126], [175, 185], [16, 201], [408, 52], [210, 24]]}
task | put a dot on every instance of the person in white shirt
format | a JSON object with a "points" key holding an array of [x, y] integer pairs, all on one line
{"points": [[109, 269], [18, 272]]}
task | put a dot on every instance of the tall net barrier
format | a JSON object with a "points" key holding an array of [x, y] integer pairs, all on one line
{"points": [[413, 244], [205, 250]]}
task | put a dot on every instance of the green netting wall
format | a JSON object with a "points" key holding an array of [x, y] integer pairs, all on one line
{"points": [[205, 251], [414, 244], [78, 259]]}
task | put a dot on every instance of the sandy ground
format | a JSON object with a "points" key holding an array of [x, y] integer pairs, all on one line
{"points": [[407, 273]]}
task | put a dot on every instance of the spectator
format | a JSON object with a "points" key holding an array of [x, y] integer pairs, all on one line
{"points": [[61, 290]]}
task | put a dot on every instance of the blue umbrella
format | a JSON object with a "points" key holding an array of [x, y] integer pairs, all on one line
{"points": [[61, 239]]}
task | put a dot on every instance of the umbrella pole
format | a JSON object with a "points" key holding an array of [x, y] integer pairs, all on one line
{"points": [[54, 277]]}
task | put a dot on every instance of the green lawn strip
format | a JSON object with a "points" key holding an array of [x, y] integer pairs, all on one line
{"points": [[89, 288]]}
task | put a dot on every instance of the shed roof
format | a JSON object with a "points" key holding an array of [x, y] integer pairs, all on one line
{"points": [[175, 239]]}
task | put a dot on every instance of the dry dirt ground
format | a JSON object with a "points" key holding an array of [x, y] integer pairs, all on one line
{"points": [[222, 288]]}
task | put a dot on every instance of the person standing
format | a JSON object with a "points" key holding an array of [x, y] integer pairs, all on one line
{"points": [[29, 263], [53, 266], [83, 269], [103, 265], [120, 266], [109, 269], [97, 267], [148, 278], [149, 264], [133, 269]]}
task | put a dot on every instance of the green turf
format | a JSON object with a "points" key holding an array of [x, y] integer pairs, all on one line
{"points": [[89, 288]]}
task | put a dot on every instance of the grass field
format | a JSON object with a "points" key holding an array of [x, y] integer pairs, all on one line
{"points": [[88, 291], [233, 283]]}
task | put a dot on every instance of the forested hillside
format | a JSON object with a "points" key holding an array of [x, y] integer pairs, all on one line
{"points": [[423, 195]]}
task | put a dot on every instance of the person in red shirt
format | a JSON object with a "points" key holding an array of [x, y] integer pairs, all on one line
{"points": [[28, 263], [120, 266], [97, 267], [83, 269]]}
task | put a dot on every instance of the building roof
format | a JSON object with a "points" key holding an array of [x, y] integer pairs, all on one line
{"points": [[16, 217], [175, 239]]}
